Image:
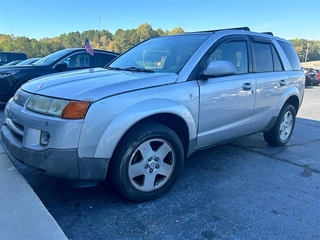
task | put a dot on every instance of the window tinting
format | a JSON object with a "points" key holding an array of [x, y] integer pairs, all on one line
{"points": [[234, 52], [102, 59], [262, 57], [78, 60], [276, 60], [291, 55]]}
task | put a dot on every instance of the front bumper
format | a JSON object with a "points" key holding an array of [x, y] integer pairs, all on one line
{"points": [[61, 163]]}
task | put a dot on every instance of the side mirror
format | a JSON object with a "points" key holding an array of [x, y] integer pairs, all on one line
{"points": [[220, 68], [61, 66]]}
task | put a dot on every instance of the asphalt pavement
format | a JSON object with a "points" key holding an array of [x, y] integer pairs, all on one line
{"points": [[22, 214]]}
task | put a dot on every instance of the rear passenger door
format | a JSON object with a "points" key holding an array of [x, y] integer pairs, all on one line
{"points": [[271, 81], [226, 103]]}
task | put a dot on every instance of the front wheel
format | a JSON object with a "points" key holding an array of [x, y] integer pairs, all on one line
{"points": [[281, 132], [147, 162]]}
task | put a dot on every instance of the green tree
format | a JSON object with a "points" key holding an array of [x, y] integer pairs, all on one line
{"points": [[145, 31], [73, 40], [104, 42], [160, 32], [134, 37], [307, 50], [90, 34], [6, 42], [123, 39], [114, 47], [177, 31]]}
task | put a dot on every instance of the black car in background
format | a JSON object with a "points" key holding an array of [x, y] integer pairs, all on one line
{"points": [[12, 77], [28, 61], [311, 77], [6, 57], [318, 75]]}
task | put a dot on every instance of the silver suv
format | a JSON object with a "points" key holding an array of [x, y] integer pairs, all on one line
{"points": [[138, 118]]}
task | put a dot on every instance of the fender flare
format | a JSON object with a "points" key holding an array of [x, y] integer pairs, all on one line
{"points": [[135, 113], [289, 92]]}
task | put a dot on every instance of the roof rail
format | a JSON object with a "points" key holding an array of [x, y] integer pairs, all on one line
{"points": [[269, 33], [217, 30]]}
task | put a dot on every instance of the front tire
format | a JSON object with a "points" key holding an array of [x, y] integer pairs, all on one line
{"points": [[147, 162], [281, 132]]}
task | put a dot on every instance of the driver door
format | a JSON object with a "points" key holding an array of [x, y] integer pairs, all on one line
{"points": [[226, 103]]}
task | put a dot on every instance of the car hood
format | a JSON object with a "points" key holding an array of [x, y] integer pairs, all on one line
{"points": [[17, 68], [95, 83]]}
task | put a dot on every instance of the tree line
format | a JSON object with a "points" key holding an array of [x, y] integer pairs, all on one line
{"points": [[120, 41]]}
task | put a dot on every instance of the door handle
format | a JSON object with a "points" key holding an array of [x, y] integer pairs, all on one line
{"points": [[246, 86]]}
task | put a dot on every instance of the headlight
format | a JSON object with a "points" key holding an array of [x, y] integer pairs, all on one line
{"points": [[58, 107], [7, 74]]}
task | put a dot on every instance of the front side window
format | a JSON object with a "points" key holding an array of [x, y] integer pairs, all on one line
{"points": [[234, 52], [78, 60]]}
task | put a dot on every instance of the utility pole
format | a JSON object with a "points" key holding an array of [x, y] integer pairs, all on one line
{"points": [[307, 51], [99, 28]]}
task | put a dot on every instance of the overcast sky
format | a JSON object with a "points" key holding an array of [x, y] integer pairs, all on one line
{"points": [[50, 18]]}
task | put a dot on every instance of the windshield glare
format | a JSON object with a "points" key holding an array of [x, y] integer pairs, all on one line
{"points": [[163, 54], [50, 58]]}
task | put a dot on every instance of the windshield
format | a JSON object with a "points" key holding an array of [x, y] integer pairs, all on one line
{"points": [[51, 58], [28, 61], [163, 54]]}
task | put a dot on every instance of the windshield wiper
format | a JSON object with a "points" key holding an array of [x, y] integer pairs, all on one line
{"points": [[114, 68], [132, 69], [135, 69]]}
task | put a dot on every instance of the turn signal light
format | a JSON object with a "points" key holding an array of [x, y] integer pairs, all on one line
{"points": [[75, 110]]}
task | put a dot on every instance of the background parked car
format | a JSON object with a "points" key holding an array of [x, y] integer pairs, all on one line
{"points": [[12, 77], [318, 75], [27, 61], [311, 77], [12, 63], [6, 57]]}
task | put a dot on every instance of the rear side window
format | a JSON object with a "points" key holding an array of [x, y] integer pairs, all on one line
{"points": [[102, 59], [266, 58], [291, 55], [262, 57], [276, 60]]}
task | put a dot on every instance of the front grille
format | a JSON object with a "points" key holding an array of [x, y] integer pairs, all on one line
{"points": [[18, 126], [21, 97], [17, 136]]}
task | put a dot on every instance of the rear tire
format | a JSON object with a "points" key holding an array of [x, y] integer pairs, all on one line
{"points": [[147, 162], [281, 132]]}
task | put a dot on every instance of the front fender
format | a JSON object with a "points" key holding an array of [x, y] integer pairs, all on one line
{"points": [[137, 112]]}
